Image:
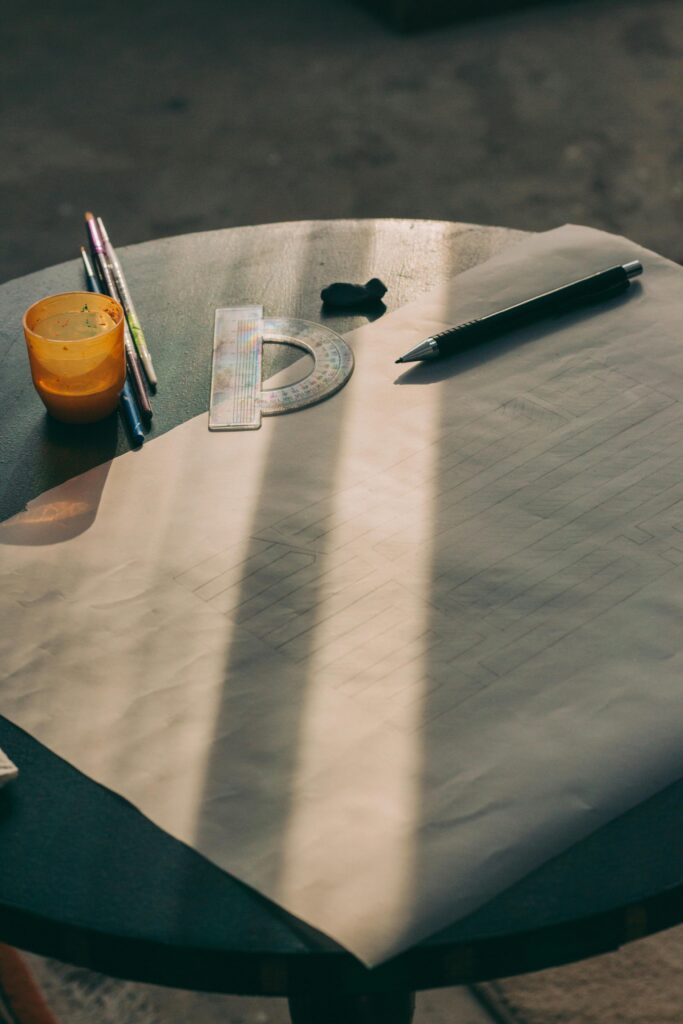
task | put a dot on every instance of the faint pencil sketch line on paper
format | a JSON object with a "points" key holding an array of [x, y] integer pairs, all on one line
{"points": [[296, 583], [271, 566], [613, 528], [581, 593], [364, 676], [588, 599], [338, 634], [572, 572], [209, 567], [536, 459], [560, 632], [635, 480], [457, 439], [350, 677], [554, 527], [503, 662], [350, 518], [243, 586], [673, 520], [533, 456], [585, 466], [247, 570], [316, 513], [289, 636], [284, 617]]}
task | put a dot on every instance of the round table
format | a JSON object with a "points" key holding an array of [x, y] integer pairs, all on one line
{"points": [[85, 877]]}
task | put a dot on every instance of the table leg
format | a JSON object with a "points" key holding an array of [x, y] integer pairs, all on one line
{"points": [[378, 1008]]}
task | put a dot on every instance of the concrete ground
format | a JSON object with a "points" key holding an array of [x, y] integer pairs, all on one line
{"points": [[174, 116]]}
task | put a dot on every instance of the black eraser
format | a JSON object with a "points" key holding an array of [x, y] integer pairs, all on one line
{"points": [[344, 295]]}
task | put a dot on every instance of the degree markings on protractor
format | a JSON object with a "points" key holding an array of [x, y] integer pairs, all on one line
{"points": [[238, 399], [332, 357]]}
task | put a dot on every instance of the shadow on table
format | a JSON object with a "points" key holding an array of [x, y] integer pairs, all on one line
{"points": [[370, 310], [64, 450]]}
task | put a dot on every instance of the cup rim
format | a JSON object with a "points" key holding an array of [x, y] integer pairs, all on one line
{"points": [[63, 295]]}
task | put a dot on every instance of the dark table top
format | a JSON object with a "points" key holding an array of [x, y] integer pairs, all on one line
{"points": [[83, 876]]}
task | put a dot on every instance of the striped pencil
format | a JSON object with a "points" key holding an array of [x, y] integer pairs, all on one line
{"points": [[127, 303], [99, 255], [127, 398]]}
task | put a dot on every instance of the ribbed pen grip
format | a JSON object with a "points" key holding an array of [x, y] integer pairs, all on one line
{"points": [[452, 332]]}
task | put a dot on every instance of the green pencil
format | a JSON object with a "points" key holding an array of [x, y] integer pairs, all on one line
{"points": [[127, 303]]}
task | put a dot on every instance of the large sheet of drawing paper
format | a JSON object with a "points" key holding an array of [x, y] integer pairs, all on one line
{"points": [[386, 655]]}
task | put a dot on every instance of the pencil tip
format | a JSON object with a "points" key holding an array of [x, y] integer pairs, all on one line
{"points": [[399, 360]]}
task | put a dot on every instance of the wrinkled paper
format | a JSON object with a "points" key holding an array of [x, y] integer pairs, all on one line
{"points": [[384, 656]]}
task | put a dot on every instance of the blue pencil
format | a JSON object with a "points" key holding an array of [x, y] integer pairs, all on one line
{"points": [[127, 398]]}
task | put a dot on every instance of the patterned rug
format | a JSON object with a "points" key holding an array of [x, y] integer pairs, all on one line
{"points": [[640, 984]]}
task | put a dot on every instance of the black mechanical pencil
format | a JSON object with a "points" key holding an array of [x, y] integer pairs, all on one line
{"points": [[595, 288]]}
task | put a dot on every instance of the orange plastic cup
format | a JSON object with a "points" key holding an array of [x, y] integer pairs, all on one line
{"points": [[75, 348]]}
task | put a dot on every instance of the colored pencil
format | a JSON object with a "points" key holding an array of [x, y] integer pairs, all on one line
{"points": [[127, 303], [101, 262], [127, 398]]}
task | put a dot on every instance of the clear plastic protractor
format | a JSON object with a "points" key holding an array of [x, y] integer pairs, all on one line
{"points": [[332, 357]]}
